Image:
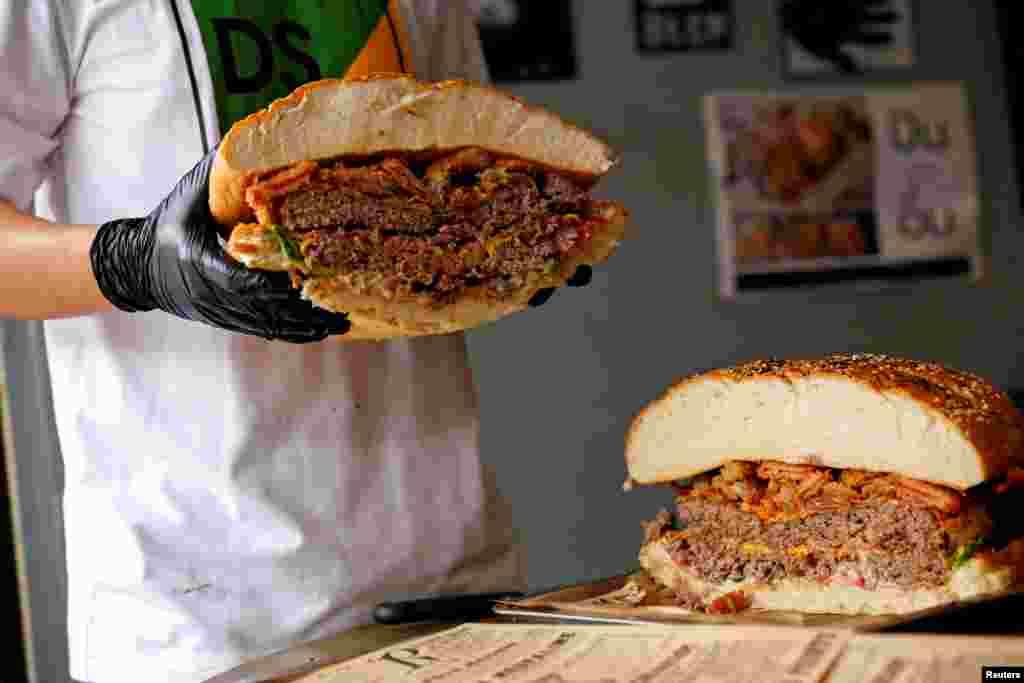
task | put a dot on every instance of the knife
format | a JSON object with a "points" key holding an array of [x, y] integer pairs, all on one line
{"points": [[401, 619], [455, 607]]}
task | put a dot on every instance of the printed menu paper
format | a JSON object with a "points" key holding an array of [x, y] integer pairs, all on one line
{"points": [[521, 653]]}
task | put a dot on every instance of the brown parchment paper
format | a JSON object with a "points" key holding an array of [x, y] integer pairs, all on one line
{"points": [[633, 598]]}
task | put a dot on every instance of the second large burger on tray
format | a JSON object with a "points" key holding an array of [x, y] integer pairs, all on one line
{"points": [[851, 484]]}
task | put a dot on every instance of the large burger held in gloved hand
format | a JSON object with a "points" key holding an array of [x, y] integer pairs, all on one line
{"points": [[417, 208]]}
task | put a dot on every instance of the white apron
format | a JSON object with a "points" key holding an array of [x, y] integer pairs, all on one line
{"points": [[228, 496]]}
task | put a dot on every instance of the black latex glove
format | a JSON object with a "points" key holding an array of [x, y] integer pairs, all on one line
{"points": [[580, 278], [173, 260], [823, 28]]}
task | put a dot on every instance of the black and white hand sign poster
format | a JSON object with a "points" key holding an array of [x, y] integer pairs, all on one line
{"points": [[527, 40], [846, 37]]}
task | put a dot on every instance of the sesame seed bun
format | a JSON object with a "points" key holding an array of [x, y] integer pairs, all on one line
{"points": [[870, 412]]}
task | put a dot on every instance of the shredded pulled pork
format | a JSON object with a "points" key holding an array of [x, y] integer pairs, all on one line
{"points": [[280, 183], [776, 490], [929, 495], [469, 160], [654, 528]]}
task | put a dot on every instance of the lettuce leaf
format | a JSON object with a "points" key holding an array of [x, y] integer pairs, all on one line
{"points": [[289, 247], [965, 553]]}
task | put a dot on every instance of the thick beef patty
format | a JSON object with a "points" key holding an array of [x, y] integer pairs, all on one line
{"points": [[462, 220], [879, 541]]}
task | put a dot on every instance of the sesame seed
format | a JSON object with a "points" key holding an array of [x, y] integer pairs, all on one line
{"points": [[971, 402]]}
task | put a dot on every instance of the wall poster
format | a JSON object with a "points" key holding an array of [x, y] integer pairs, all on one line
{"points": [[527, 40], [684, 25], [847, 37], [877, 185]]}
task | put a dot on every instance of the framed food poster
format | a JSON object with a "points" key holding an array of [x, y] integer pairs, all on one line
{"points": [[527, 40], [823, 189], [846, 37]]}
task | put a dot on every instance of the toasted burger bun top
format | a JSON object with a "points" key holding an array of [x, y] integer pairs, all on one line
{"points": [[386, 113], [870, 412]]}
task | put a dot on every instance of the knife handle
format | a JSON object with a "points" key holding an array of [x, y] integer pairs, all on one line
{"points": [[440, 608]]}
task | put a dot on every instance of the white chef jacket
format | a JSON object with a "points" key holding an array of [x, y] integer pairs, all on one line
{"points": [[226, 496]]}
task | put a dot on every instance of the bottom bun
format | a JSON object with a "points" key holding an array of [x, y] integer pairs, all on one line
{"points": [[991, 573], [376, 315]]}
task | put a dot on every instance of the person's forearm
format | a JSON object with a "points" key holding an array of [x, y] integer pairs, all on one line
{"points": [[44, 268]]}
